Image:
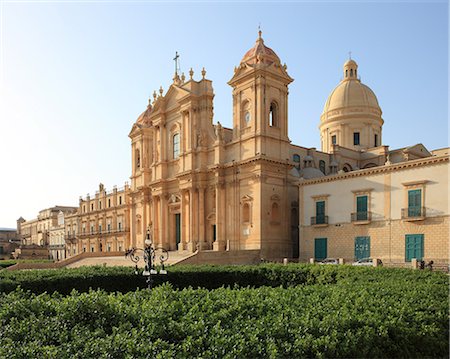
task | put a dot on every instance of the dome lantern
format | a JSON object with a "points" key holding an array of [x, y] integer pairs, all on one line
{"points": [[350, 70]]}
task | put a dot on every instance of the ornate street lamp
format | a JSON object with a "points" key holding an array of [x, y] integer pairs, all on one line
{"points": [[149, 256]]}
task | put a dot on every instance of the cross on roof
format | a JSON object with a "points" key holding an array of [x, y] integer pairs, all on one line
{"points": [[176, 61]]}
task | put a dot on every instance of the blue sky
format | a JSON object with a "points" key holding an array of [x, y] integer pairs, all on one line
{"points": [[76, 75]]}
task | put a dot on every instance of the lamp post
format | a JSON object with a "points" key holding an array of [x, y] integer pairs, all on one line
{"points": [[149, 256]]}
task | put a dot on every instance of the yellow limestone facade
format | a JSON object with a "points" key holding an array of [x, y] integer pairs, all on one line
{"points": [[199, 185], [389, 226], [100, 224]]}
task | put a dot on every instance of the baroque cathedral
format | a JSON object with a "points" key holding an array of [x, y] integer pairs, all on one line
{"points": [[197, 186]]}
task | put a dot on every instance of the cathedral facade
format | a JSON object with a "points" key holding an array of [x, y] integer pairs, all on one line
{"points": [[199, 185]]}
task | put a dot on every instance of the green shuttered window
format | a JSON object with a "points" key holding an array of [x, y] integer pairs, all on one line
{"points": [[414, 202], [362, 247], [361, 208], [320, 248], [413, 247], [320, 212]]}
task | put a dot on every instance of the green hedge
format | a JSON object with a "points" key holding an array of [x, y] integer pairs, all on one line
{"points": [[123, 279], [349, 319], [9, 262]]}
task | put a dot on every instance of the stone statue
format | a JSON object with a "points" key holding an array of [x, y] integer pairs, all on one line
{"points": [[219, 132]]}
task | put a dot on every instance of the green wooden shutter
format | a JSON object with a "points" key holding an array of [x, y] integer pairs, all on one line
{"points": [[414, 202], [320, 212], [362, 247], [361, 208], [320, 248], [413, 247]]}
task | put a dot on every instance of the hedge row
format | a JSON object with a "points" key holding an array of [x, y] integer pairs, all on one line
{"points": [[123, 279], [9, 262], [346, 320]]}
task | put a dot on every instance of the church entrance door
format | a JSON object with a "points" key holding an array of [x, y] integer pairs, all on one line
{"points": [[177, 228]]}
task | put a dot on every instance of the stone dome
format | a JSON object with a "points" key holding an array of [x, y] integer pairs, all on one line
{"points": [[351, 117], [310, 172], [294, 172], [144, 117], [260, 53], [351, 95]]}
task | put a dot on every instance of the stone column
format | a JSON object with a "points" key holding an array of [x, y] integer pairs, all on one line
{"points": [[163, 230], [191, 245], [220, 244], [184, 219], [201, 218]]}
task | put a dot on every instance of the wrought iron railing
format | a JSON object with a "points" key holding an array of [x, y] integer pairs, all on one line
{"points": [[102, 232], [319, 220], [361, 216], [413, 212]]}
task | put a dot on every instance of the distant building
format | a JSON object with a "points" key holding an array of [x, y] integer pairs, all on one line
{"points": [[37, 232], [9, 241]]}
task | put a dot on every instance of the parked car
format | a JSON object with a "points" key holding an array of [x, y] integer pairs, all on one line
{"points": [[329, 261], [367, 262]]}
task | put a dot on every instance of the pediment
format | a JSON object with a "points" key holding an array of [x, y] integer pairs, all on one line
{"points": [[174, 199], [173, 96], [275, 197], [419, 150], [134, 130], [246, 198]]}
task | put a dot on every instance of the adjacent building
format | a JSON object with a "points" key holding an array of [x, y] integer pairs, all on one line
{"points": [[37, 231], [100, 223], [9, 241]]}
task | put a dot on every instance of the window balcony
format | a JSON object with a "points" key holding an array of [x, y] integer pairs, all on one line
{"points": [[361, 217], [319, 221], [413, 213], [103, 233]]}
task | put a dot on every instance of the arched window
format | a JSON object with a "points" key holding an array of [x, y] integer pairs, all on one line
{"points": [[246, 213], [296, 159], [138, 159], [346, 73], [351, 72], [275, 212], [347, 168], [246, 116], [273, 115], [176, 145], [322, 166]]}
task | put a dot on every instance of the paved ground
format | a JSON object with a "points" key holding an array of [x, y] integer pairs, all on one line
{"points": [[122, 261]]}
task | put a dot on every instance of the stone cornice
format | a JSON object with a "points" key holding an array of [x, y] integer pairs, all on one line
{"points": [[378, 170]]}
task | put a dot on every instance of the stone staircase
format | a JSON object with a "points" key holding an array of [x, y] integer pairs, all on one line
{"points": [[109, 259], [222, 257]]}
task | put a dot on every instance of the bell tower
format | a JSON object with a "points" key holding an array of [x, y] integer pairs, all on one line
{"points": [[260, 101]]}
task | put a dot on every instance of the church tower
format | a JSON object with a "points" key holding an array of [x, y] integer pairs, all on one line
{"points": [[261, 148], [260, 102]]}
